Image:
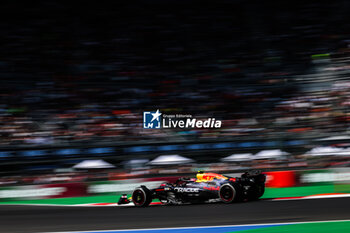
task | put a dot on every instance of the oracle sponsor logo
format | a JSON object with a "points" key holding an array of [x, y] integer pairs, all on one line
{"points": [[186, 190]]}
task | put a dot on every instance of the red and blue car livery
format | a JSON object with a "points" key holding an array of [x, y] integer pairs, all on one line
{"points": [[203, 188]]}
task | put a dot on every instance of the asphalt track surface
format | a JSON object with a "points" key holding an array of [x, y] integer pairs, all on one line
{"points": [[24, 219]]}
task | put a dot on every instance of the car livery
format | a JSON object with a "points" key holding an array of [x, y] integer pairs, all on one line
{"points": [[206, 187]]}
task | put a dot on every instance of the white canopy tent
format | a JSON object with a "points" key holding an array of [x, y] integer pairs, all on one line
{"points": [[271, 154], [344, 152], [93, 164], [238, 157], [324, 151], [342, 137], [170, 160]]}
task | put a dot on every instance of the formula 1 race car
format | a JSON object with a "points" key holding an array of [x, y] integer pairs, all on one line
{"points": [[206, 187]]}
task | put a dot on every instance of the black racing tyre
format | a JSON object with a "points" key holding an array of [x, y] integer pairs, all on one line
{"points": [[141, 197], [227, 193]]}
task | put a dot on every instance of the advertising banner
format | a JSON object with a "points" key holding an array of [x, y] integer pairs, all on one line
{"points": [[280, 179], [338, 178], [67, 190]]}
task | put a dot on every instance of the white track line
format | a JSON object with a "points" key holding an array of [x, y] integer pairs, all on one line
{"points": [[200, 227], [328, 196], [312, 197]]}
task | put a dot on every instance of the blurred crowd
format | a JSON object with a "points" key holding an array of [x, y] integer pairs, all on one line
{"points": [[265, 70]]}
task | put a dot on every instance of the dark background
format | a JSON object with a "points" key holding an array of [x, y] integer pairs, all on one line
{"points": [[80, 74]]}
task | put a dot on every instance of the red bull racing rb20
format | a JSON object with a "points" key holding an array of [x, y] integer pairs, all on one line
{"points": [[204, 188]]}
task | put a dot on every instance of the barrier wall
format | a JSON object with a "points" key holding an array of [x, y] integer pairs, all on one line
{"points": [[340, 178]]}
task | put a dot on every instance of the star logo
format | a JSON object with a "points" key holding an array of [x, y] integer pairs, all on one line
{"points": [[151, 120], [156, 115]]}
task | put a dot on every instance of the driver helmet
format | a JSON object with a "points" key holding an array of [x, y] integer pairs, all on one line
{"points": [[199, 176]]}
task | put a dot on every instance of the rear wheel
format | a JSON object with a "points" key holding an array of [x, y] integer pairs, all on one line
{"points": [[141, 197], [227, 193]]}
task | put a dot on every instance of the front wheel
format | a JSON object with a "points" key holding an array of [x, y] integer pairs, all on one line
{"points": [[227, 193], [141, 197]]}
